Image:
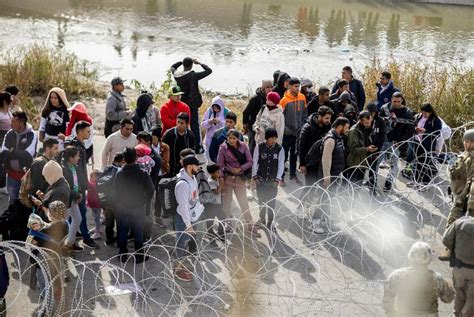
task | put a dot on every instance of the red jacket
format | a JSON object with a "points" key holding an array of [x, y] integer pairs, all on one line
{"points": [[92, 195], [169, 111]]}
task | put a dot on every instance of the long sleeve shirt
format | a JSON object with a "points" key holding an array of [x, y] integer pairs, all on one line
{"points": [[187, 196], [226, 160], [115, 144]]}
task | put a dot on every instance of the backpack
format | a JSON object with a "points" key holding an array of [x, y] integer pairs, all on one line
{"points": [[205, 192], [315, 154], [105, 184], [166, 195], [446, 130]]}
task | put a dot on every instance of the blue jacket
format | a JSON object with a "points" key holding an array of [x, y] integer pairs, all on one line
{"points": [[385, 96], [219, 137]]}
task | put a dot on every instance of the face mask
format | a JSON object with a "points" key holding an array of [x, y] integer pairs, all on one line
{"points": [[309, 89]]}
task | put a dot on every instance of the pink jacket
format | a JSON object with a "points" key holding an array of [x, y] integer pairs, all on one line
{"points": [[226, 160]]}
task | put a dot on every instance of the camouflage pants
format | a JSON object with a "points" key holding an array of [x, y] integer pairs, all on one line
{"points": [[459, 209], [463, 279]]}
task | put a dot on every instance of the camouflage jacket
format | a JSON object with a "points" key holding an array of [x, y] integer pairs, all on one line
{"points": [[414, 291], [461, 175]]}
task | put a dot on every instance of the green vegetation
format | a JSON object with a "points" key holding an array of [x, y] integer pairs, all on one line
{"points": [[448, 88], [36, 69]]}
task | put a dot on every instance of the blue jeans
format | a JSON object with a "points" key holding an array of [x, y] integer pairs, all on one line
{"points": [[289, 145], [182, 237], [83, 227], [13, 188], [130, 219]]}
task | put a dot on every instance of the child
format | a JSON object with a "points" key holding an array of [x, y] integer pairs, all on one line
{"points": [[94, 203], [144, 159], [213, 206], [267, 171]]}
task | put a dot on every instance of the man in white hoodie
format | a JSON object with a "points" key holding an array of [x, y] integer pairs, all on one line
{"points": [[118, 141], [188, 211], [270, 116]]}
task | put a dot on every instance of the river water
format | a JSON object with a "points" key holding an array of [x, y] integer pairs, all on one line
{"points": [[242, 41]]}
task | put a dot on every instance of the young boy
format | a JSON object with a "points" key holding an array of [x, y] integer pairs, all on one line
{"points": [[267, 171], [213, 207]]}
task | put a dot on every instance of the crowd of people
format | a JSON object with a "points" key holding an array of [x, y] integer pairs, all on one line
{"points": [[153, 157]]}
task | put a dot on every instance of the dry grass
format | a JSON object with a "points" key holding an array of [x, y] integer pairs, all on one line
{"points": [[448, 88]]}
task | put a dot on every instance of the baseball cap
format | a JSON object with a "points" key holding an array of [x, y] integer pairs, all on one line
{"points": [[117, 81], [175, 91], [191, 160]]}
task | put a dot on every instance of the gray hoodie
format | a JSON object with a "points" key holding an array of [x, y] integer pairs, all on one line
{"points": [[187, 196]]}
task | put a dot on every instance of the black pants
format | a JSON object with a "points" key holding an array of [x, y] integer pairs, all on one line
{"points": [[212, 211], [425, 168], [195, 128], [158, 209], [266, 199], [356, 174], [109, 223]]}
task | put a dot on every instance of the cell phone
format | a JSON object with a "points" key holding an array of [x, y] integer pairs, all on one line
{"points": [[32, 197]]}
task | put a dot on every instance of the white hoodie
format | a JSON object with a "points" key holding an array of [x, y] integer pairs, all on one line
{"points": [[269, 119]]}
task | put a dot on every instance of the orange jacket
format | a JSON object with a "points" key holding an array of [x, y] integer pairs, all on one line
{"points": [[295, 112]]}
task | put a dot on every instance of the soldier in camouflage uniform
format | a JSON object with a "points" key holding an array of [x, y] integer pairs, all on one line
{"points": [[461, 175], [414, 290]]}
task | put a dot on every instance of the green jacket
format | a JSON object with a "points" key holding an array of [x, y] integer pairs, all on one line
{"points": [[356, 149]]}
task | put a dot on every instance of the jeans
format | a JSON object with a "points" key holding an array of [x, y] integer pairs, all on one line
{"points": [[76, 219], [182, 237], [394, 152], [195, 128], [130, 219], [289, 145], [267, 200], [96, 212], [13, 187], [83, 227]]}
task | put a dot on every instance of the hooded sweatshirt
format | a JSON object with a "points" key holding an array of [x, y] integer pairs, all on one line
{"points": [[56, 120], [267, 118], [169, 112], [79, 113], [188, 81], [294, 110], [280, 86], [18, 151], [146, 116], [58, 189], [115, 144], [187, 196], [256, 102], [209, 115]]}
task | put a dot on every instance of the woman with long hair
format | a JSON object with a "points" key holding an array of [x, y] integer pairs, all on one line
{"points": [[236, 162], [5, 125], [54, 116], [427, 131]]}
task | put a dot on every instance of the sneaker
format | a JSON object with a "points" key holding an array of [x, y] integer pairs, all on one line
{"points": [[139, 258], [73, 248], [316, 226], [296, 180], [159, 222], [90, 244], [96, 236], [183, 275], [4, 190], [110, 241], [387, 187], [282, 183]]}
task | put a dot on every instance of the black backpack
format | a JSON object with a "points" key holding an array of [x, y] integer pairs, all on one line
{"points": [[166, 195], [315, 154], [105, 184], [205, 192]]}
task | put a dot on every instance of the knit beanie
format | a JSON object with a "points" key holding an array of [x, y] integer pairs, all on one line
{"points": [[57, 209], [294, 81], [270, 133], [274, 97], [52, 172], [142, 150], [469, 135]]}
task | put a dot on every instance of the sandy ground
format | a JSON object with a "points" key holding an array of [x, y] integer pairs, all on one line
{"points": [[337, 274]]}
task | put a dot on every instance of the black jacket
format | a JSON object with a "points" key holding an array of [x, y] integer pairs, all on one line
{"points": [[280, 86], [170, 138], [37, 179], [377, 136], [256, 103], [70, 180], [188, 82], [433, 129], [133, 188], [19, 149], [400, 129], [357, 88], [82, 164], [310, 133], [58, 191], [313, 105]]}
